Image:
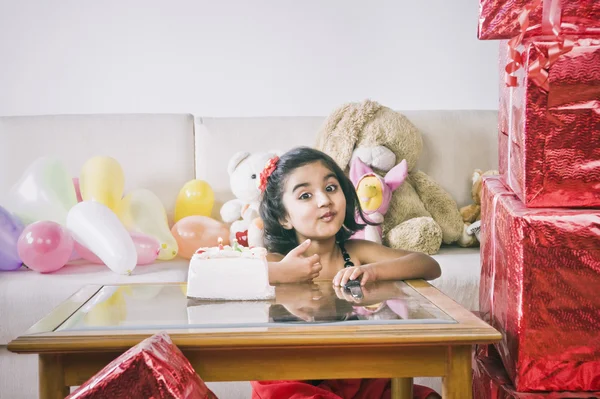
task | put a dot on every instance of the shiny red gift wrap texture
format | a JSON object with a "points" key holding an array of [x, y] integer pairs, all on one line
{"points": [[490, 381], [549, 129], [155, 368], [540, 287], [503, 19]]}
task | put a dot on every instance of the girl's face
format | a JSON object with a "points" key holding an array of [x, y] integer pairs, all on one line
{"points": [[314, 202]]}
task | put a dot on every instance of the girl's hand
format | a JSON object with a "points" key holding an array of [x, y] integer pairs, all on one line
{"points": [[352, 273], [298, 268]]}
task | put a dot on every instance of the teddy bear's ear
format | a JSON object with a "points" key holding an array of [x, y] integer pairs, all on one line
{"points": [[235, 160], [476, 175]]}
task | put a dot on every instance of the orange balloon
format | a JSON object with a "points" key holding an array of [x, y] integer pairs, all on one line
{"points": [[193, 232]]}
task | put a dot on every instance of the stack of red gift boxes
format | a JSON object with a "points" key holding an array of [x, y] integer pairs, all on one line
{"points": [[540, 231]]}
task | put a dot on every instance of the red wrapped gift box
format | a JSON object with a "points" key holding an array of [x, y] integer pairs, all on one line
{"points": [[490, 381], [549, 129], [540, 282], [504, 19], [155, 368]]}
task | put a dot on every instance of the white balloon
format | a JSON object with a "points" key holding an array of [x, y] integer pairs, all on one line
{"points": [[45, 191], [97, 227]]}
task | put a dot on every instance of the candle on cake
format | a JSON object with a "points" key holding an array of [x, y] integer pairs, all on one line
{"points": [[220, 241]]}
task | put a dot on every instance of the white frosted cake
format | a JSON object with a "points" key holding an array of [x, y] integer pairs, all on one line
{"points": [[230, 274]]}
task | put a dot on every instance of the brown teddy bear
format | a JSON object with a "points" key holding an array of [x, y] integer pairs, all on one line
{"points": [[422, 214], [471, 214]]}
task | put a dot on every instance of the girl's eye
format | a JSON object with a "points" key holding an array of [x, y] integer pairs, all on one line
{"points": [[304, 196], [331, 187]]}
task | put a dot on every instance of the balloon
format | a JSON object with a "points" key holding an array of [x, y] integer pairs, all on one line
{"points": [[143, 212], [74, 254], [144, 292], [102, 180], [94, 226], [10, 230], [45, 192], [45, 246], [146, 247], [77, 190], [86, 254], [196, 197], [110, 312], [193, 232]]}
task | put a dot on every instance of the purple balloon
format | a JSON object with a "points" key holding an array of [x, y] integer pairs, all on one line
{"points": [[10, 230]]}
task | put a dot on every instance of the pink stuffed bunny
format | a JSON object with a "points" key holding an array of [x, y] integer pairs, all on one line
{"points": [[374, 194]]}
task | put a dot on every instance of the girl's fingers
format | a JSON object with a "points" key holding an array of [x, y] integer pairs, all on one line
{"points": [[348, 297], [364, 279], [338, 291], [347, 273], [317, 267], [356, 273], [338, 278], [314, 259]]}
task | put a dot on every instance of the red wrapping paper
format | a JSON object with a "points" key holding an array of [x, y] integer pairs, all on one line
{"points": [[490, 381], [549, 130], [155, 368], [540, 279], [503, 19]]}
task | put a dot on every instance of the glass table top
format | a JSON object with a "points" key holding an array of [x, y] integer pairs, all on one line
{"points": [[165, 306]]}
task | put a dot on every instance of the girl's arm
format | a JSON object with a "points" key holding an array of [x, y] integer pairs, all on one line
{"points": [[379, 262]]}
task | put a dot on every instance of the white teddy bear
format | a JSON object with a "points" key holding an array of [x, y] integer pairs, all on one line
{"points": [[244, 171]]}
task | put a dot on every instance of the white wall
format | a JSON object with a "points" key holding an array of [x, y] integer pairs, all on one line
{"points": [[241, 58]]}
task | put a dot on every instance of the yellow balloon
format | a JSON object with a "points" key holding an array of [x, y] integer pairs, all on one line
{"points": [[102, 180], [196, 198], [142, 211]]}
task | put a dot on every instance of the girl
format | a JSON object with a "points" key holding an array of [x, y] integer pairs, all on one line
{"points": [[308, 208]]}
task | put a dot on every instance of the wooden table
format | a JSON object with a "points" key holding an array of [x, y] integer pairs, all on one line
{"points": [[398, 330]]}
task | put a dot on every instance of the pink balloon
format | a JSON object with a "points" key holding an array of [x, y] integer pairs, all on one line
{"points": [[147, 249], [45, 246], [86, 254], [74, 255], [77, 190]]}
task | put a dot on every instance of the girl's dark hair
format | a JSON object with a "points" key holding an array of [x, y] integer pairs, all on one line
{"points": [[280, 240]]}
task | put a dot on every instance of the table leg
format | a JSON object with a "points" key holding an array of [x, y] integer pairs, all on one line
{"points": [[458, 379], [402, 388], [52, 377]]}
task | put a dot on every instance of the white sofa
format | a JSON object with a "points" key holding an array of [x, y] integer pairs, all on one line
{"points": [[163, 151]]}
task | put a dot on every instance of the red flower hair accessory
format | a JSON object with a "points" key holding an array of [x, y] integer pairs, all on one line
{"points": [[267, 171]]}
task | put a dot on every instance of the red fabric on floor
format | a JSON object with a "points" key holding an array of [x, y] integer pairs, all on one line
{"points": [[331, 389]]}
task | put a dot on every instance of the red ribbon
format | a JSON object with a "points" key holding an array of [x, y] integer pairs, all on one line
{"points": [[538, 70]]}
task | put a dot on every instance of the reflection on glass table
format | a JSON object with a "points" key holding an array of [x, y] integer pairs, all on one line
{"points": [[165, 306]]}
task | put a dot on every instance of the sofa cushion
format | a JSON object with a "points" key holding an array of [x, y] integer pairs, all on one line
{"points": [[155, 151]]}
